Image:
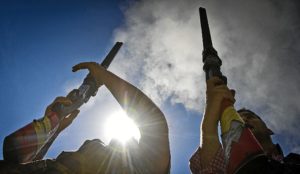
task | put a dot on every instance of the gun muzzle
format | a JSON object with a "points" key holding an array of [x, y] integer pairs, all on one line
{"points": [[211, 60]]}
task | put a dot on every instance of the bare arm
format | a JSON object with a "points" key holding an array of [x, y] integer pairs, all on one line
{"points": [[211, 150], [32, 141], [154, 142]]}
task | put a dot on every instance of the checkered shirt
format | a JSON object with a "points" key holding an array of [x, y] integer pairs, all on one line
{"points": [[216, 166]]}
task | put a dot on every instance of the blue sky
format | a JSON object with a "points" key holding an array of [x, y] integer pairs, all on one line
{"points": [[40, 41]]}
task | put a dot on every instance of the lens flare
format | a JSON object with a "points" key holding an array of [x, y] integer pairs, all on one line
{"points": [[119, 126]]}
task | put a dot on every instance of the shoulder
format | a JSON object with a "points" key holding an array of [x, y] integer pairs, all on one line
{"points": [[147, 161], [289, 164], [292, 158]]}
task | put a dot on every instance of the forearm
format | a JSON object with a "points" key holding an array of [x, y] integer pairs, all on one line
{"points": [[154, 142], [135, 102], [209, 125], [210, 143], [149, 118], [209, 128], [27, 143]]}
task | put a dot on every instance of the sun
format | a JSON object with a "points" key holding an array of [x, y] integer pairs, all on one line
{"points": [[119, 126]]}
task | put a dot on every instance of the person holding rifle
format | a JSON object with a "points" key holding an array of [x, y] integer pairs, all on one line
{"points": [[150, 155], [247, 145], [211, 156]]}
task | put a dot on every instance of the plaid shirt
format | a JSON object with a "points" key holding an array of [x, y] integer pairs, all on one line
{"points": [[216, 166]]}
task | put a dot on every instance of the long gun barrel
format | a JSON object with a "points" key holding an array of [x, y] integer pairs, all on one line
{"points": [[87, 89], [211, 60], [111, 55]]}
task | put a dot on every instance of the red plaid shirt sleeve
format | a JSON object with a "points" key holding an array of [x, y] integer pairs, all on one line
{"points": [[216, 166]]}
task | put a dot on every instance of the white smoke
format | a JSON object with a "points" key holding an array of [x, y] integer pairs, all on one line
{"points": [[163, 50], [258, 42]]}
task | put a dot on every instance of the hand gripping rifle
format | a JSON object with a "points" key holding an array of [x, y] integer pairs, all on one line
{"points": [[78, 97], [243, 153], [87, 89]]}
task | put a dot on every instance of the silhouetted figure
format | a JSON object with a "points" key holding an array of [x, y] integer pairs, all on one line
{"points": [[212, 157], [24, 148]]}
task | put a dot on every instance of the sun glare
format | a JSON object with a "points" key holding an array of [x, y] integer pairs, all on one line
{"points": [[119, 126]]}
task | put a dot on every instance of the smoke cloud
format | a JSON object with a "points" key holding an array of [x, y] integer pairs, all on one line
{"points": [[258, 42]]}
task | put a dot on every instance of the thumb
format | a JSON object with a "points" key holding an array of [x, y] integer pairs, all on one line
{"points": [[68, 120], [73, 115]]}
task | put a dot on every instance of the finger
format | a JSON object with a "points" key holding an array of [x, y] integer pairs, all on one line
{"points": [[232, 92], [229, 96], [62, 100], [223, 90], [221, 87], [73, 115], [219, 90], [226, 102], [83, 65], [68, 120], [214, 81]]}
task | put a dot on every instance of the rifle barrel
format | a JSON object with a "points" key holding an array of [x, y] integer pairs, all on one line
{"points": [[211, 60], [110, 56], [207, 43]]}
